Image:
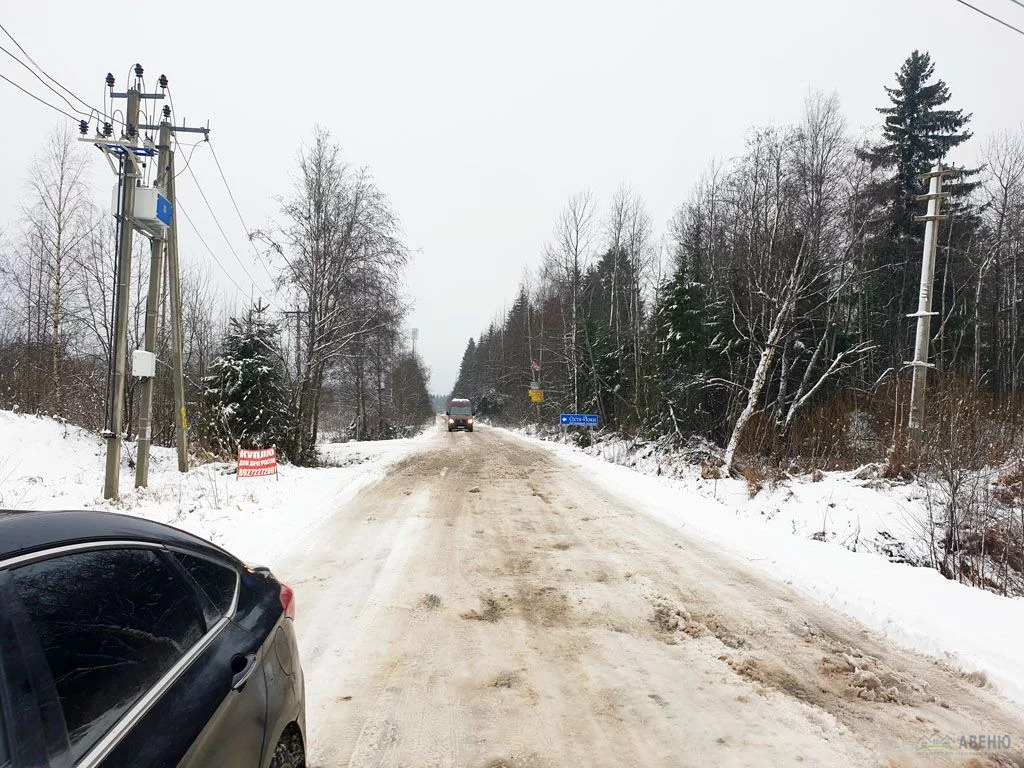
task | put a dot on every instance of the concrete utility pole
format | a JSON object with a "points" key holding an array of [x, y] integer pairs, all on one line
{"points": [[156, 219], [174, 291], [156, 270], [115, 397], [924, 312]]}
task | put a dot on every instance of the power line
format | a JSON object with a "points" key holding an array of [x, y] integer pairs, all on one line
{"points": [[993, 18], [41, 101], [226, 240], [170, 98], [49, 77], [53, 90], [188, 160], [241, 220], [217, 221], [1017, 2], [202, 239]]}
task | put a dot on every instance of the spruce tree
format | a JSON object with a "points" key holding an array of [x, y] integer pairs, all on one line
{"points": [[919, 132], [247, 389], [468, 373], [685, 334]]}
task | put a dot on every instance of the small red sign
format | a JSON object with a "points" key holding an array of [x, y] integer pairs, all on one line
{"points": [[261, 462], [534, 365]]}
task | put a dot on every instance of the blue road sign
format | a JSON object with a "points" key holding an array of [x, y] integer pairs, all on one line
{"points": [[578, 419]]}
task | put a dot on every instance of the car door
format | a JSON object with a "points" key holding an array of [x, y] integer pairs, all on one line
{"points": [[234, 733], [138, 660]]}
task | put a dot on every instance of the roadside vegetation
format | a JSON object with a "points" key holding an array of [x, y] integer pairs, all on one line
{"points": [[769, 324], [327, 351]]}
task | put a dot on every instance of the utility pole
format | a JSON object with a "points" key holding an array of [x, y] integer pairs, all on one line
{"points": [[156, 269], [177, 344], [154, 215], [924, 312], [130, 173]]}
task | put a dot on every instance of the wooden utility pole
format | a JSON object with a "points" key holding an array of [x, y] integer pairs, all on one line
{"points": [[920, 364]]}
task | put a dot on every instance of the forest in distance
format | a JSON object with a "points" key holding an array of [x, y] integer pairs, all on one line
{"points": [[778, 300], [767, 334]]}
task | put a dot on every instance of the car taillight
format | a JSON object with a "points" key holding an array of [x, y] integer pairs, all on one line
{"points": [[288, 601]]}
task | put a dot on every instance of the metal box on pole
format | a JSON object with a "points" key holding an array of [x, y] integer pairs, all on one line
{"points": [[152, 212]]}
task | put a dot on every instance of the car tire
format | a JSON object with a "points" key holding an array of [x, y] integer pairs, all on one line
{"points": [[289, 752], [470, 429]]}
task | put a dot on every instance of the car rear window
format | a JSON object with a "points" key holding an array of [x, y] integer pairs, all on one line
{"points": [[111, 623], [218, 582]]}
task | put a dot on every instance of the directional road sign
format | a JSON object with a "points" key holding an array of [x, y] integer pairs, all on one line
{"points": [[578, 419]]}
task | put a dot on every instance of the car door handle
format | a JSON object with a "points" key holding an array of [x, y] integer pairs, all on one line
{"points": [[242, 667]]}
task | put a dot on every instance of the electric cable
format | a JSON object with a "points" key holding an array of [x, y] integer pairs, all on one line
{"points": [[234, 253], [202, 239], [53, 90], [199, 186], [234, 203], [45, 74], [993, 18], [37, 98]]}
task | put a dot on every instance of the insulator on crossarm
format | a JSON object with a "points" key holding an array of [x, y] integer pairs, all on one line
{"points": [[167, 112], [83, 127], [163, 81], [138, 70], [110, 81], [108, 129]]}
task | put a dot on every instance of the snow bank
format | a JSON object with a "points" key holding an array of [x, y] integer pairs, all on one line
{"points": [[916, 607], [47, 465]]}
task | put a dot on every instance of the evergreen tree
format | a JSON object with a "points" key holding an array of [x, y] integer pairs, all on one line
{"points": [[685, 340], [918, 133], [247, 390], [468, 373]]}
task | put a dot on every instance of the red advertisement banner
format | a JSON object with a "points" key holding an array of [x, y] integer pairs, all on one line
{"points": [[260, 462]]}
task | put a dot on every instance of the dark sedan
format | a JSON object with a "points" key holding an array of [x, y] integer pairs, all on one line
{"points": [[124, 642]]}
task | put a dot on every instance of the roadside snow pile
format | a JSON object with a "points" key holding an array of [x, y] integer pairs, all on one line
{"points": [[48, 465], [775, 532], [853, 509]]}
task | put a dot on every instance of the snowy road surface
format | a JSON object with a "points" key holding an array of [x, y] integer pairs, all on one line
{"points": [[487, 604]]}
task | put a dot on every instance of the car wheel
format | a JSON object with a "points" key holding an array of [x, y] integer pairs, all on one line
{"points": [[470, 429], [289, 752]]}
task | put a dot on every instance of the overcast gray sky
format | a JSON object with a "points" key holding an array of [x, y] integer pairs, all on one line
{"points": [[480, 119]]}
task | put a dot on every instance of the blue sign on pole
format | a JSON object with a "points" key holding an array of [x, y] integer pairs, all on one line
{"points": [[163, 210], [578, 419]]}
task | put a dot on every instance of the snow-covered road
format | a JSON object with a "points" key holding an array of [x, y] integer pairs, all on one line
{"points": [[488, 603]]}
